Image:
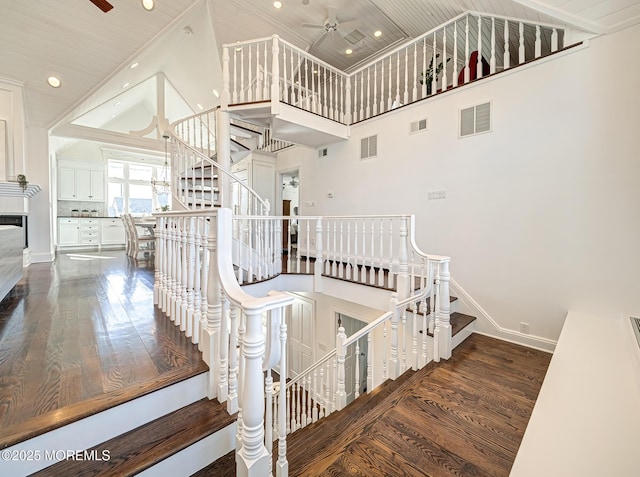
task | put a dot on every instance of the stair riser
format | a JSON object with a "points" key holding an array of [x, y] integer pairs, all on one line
{"points": [[105, 425], [196, 456]]}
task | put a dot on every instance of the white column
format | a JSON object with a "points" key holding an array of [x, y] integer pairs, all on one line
{"points": [[444, 313]]}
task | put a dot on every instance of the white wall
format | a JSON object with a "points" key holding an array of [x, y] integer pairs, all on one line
{"points": [[541, 214]]}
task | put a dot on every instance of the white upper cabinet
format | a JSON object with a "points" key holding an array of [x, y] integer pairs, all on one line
{"points": [[80, 182]]}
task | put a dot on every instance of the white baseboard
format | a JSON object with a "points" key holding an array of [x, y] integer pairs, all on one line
{"points": [[486, 325], [42, 257]]}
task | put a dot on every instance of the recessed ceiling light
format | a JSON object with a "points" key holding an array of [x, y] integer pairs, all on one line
{"points": [[125, 85], [277, 4], [54, 82], [199, 106], [377, 33], [215, 93], [148, 5], [133, 66], [348, 51]]}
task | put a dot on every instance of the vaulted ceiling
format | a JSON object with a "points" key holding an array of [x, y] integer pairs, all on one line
{"points": [[92, 52]]}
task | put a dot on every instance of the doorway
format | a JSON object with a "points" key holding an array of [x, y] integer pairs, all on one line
{"points": [[352, 325], [300, 336]]}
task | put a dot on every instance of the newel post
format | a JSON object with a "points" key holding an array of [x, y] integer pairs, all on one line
{"points": [[341, 395], [253, 459], [403, 283], [317, 269], [211, 333], [394, 362], [445, 310]]}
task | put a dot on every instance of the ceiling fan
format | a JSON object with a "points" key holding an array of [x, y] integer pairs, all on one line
{"points": [[331, 25], [102, 5]]}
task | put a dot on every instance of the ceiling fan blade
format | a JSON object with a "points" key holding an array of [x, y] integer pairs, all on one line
{"points": [[102, 5], [332, 15], [312, 25], [319, 41], [349, 25]]}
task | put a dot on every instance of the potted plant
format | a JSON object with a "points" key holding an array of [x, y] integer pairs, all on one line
{"points": [[427, 75], [22, 180]]}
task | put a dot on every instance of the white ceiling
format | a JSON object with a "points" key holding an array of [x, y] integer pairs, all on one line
{"points": [[91, 51]]}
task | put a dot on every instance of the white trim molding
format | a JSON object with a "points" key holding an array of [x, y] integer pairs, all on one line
{"points": [[486, 325]]}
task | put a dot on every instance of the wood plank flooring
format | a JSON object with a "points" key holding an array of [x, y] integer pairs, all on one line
{"points": [[80, 335], [462, 417]]}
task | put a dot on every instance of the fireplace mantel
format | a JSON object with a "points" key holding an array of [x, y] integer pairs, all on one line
{"points": [[13, 189]]}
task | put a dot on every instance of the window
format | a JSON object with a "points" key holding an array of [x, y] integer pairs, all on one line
{"points": [[129, 188]]}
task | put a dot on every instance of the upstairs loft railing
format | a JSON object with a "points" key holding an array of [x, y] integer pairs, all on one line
{"points": [[469, 47]]}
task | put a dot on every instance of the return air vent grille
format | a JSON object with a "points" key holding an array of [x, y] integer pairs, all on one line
{"points": [[418, 126], [475, 120], [635, 324], [368, 147]]}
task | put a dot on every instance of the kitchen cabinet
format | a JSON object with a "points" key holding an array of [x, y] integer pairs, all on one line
{"points": [[77, 182], [90, 232], [111, 231], [68, 232]]}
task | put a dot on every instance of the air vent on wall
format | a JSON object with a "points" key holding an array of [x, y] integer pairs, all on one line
{"points": [[475, 120], [323, 152], [368, 147], [418, 126], [635, 324]]}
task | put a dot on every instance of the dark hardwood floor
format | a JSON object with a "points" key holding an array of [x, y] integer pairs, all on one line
{"points": [[81, 335], [462, 417]]}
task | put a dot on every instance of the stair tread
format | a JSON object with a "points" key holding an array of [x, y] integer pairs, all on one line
{"points": [[459, 321], [140, 448]]}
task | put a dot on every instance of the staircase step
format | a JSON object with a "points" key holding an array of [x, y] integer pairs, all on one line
{"points": [[459, 321], [141, 448]]}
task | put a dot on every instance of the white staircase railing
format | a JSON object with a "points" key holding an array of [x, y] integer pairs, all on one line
{"points": [[242, 336], [464, 49]]}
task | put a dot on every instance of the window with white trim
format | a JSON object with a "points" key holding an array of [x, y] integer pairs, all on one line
{"points": [[129, 188]]}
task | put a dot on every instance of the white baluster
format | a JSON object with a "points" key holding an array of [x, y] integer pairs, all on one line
{"points": [[403, 366], [268, 418], [266, 83], [334, 267], [467, 59], [375, 89], [434, 65], [390, 98], [507, 55], [223, 383], [191, 272], [330, 388], [521, 56], [361, 116], [424, 67], [444, 59], [356, 276], [381, 253], [405, 98], [369, 362], [390, 280], [331, 115], [414, 336], [325, 110], [356, 389], [306, 85], [397, 79], [285, 86], [538, 44], [384, 352], [349, 259], [368, 109], [282, 466], [554, 40], [348, 117], [479, 63], [414, 92], [315, 401], [322, 401], [341, 259], [394, 364], [341, 395], [232, 397], [492, 61], [382, 93], [308, 244], [250, 75]]}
